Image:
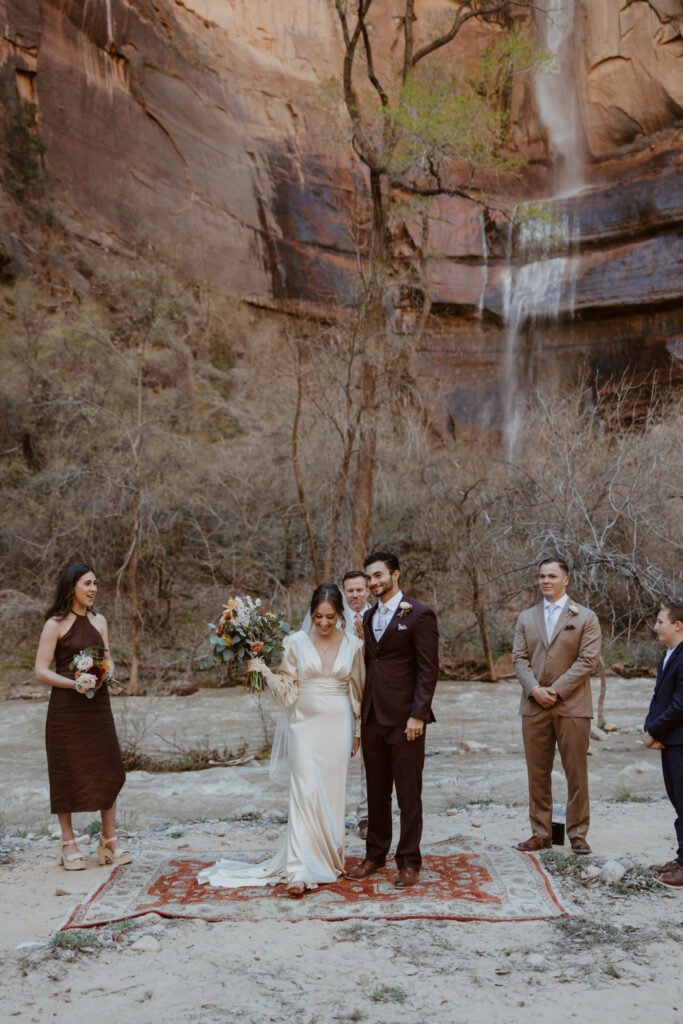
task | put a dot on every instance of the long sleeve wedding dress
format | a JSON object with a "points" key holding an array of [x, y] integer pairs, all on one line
{"points": [[323, 717]]}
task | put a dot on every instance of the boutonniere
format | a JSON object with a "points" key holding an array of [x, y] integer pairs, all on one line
{"points": [[573, 609], [404, 608]]}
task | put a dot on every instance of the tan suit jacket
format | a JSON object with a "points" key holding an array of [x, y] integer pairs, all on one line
{"points": [[565, 663]]}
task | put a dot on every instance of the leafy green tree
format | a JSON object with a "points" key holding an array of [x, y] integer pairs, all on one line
{"points": [[425, 123]]}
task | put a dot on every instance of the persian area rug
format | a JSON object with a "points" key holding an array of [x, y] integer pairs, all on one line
{"points": [[461, 879]]}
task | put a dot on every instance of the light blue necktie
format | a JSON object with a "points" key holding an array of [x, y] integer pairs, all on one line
{"points": [[380, 624]]}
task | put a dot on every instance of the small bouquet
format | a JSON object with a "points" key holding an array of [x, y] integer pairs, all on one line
{"points": [[245, 630], [91, 669]]}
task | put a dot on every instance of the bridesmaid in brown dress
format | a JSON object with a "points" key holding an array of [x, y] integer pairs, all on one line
{"points": [[83, 755]]}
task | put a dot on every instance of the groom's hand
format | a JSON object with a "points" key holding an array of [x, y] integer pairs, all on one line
{"points": [[544, 696], [414, 728]]}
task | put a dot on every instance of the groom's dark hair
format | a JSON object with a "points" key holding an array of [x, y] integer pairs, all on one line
{"points": [[389, 559]]}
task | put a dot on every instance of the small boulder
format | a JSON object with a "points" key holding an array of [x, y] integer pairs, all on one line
{"points": [[612, 871]]}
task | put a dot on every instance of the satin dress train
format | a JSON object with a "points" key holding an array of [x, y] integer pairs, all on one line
{"points": [[323, 716]]}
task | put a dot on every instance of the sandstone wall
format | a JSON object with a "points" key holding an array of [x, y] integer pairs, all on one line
{"points": [[630, 69], [198, 125]]}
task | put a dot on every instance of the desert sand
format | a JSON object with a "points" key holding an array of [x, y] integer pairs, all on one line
{"points": [[617, 957]]}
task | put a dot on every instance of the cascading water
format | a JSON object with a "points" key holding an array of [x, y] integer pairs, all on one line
{"points": [[485, 263], [556, 96], [538, 284], [537, 290]]}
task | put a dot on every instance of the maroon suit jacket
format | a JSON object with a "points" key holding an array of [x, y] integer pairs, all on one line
{"points": [[401, 671]]}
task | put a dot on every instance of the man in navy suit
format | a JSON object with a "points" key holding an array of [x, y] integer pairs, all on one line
{"points": [[401, 669], [664, 726]]}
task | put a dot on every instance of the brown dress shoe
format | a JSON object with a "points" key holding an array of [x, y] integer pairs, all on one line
{"points": [[362, 870], [363, 828], [535, 843], [673, 877], [579, 846], [406, 877], [660, 868]]}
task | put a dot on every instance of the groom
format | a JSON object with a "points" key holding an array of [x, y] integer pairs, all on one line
{"points": [[402, 664]]}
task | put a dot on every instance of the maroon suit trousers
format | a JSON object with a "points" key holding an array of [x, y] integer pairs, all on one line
{"points": [[390, 758]]}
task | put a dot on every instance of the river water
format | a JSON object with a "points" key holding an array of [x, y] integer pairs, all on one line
{"points": [[478, 715]]}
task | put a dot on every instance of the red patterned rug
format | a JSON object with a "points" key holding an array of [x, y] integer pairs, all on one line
{"points": [[461, 880]]}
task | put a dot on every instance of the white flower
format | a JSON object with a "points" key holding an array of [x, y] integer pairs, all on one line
{"points": [[84, 663], [86, 682], [573, 609]]}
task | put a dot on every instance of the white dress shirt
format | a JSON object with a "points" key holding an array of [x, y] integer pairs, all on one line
{"points": [[384, 614], [667, 656], [555, 608]]}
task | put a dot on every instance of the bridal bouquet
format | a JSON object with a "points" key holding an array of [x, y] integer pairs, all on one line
{"points": [[246, 630], [91, 670]]}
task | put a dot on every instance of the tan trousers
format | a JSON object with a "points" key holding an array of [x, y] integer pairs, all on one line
{"points": [[541, 733]]}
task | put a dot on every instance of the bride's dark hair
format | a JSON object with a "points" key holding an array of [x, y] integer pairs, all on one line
{"points": [[329, 592], [68, 578]]}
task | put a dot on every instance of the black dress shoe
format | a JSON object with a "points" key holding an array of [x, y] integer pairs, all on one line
{"points": [[362, 870]]}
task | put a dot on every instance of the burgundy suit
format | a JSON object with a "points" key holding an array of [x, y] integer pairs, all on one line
{"points": [[401, 673]]}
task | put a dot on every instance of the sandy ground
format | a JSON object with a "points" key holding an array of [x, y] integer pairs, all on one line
{"points": [[618, 957]]}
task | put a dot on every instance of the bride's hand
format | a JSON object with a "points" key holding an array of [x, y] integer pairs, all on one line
{"points": [[356, 745]]}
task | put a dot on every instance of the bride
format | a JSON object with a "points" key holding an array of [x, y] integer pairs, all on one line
{"points": [[320, 683]]}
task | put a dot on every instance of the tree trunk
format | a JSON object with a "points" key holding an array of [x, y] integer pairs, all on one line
{"points": [[297, 471], [603, 692], [338, 501], [367, 447], [133, 684], [365, 468], [480, 614]]}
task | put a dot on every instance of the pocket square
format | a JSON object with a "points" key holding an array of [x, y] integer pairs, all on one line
{"points": [[400, 626], [570, 627]]}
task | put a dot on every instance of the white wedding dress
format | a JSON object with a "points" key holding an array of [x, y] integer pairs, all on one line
{"points": [[323, 716]]}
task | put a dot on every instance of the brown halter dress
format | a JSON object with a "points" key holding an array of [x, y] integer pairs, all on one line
{"points": [[83, 754]]}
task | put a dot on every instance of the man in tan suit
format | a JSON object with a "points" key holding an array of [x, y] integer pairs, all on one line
{"points": [[556, 647]]}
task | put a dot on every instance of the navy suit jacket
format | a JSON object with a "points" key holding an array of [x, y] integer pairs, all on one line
{"points": [[664, 720], [401, 670]]}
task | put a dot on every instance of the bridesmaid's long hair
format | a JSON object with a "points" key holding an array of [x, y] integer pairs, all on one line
{"points": [[331, 593], [68, 578]]}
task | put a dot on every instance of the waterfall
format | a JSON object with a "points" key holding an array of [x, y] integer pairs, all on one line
{"points": [[485, 266], [539, 282], [538, 290], [556, 95]]}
